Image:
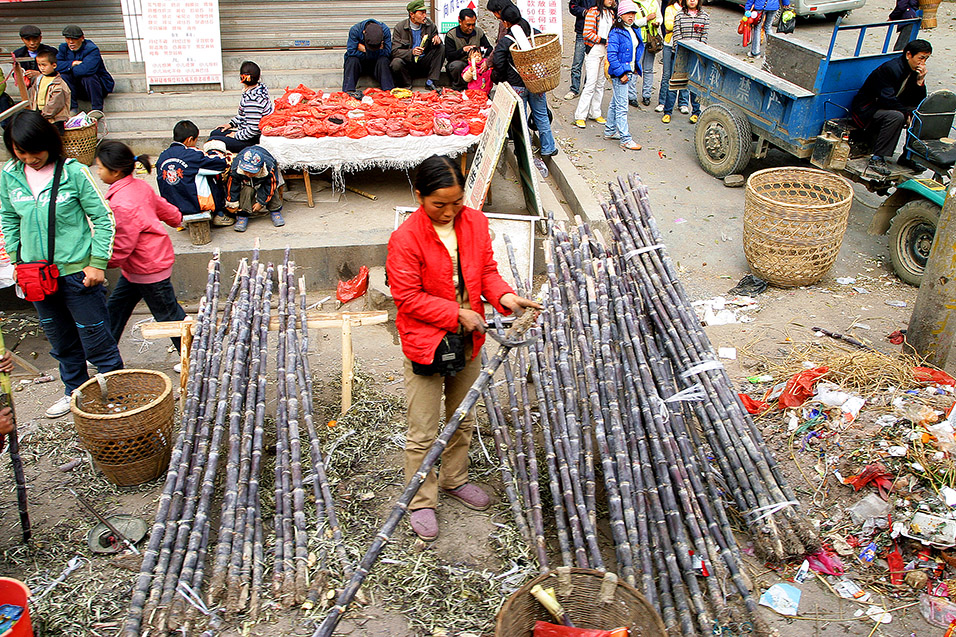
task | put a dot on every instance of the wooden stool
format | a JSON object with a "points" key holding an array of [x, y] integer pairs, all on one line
{"points": [[304, 176], [198, 226]]}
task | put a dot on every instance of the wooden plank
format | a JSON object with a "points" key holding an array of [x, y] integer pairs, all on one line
{"points": [[316, 321]]}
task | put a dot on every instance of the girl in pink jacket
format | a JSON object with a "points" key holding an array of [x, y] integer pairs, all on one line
{"points": [[142, 249]]}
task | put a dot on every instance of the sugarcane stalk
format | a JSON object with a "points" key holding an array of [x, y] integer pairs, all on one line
{"points": [[318, 462], [6, 400], [345, 598]]}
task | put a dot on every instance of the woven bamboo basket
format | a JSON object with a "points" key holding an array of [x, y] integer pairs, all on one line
{"points": [[81, 143], [539, 66], [794, 221], [929, 8], [592, 599], [130, 434]]}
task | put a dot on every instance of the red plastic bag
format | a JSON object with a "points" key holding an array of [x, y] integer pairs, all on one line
{"points": [[356, 129], [544, 629], [354, 287], [752, 405], [930, 375], [800, 387]]}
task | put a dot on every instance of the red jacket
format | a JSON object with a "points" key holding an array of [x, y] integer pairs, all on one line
{"points": [[420, 274], [141, 248]]}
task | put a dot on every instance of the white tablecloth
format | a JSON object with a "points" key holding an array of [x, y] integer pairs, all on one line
{"points": [[344, 154]]}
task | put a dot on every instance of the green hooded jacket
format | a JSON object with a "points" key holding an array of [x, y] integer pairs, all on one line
{"points": [[24, 219]]}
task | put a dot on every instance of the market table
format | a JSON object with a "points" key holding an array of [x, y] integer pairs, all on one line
{"points": [[344, 154]]}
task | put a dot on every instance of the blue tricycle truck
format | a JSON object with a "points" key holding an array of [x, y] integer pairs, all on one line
{"points": [[800, 105]]}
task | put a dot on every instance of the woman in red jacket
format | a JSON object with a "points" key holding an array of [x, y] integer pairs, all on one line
{"points": [[440, 265], [141, 247]]}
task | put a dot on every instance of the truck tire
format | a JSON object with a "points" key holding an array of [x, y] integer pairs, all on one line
{"points": [[911, 237], [723, 140]]}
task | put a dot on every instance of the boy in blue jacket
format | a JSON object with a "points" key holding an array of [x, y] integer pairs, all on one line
{"points": [[186, 176], [79, 63]]}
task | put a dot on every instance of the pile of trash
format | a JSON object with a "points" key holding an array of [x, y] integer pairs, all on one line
{"points": [[874, 437]]}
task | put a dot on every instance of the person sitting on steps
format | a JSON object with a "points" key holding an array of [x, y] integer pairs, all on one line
{"points": [[32, 46], [417, 49], [368, 52], [459, 43], [79, 63]]}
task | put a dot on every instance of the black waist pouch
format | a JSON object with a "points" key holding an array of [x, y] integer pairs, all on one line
{"points": [[449, 357]]}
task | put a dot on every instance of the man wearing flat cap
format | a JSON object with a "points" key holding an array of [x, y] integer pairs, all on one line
{"points": [[26, 55], [368, 52], [417, 48], [79, 63]]}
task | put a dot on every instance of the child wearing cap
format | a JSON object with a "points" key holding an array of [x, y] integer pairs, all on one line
{"points": [[79, 63], [187, 177], [254, 186], [49, 94]]}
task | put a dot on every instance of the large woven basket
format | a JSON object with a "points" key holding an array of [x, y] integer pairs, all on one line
{"points": [[128, 435], [539, 66], [794, 221], [592, 599], [81, 143]]}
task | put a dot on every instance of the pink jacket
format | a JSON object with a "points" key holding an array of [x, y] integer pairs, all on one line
{"points": [[142, 248]]}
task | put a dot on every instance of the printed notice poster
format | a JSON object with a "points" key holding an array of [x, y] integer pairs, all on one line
{"points": [[181, 41]]}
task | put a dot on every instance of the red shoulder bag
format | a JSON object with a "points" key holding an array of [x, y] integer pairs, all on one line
{"points": [[38, 279]]}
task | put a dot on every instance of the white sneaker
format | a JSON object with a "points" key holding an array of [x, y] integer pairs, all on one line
{"points": [[659, 109], [60, 408], [684, 110], [570, 95], [178, 368]]}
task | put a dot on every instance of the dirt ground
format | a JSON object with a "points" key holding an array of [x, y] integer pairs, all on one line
{"points": [[455, 585]]}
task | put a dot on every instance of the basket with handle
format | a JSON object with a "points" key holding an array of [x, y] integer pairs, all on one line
{"points": [[794, 221], [80, 143], [129, 434], [539, 66], [592, 599]]}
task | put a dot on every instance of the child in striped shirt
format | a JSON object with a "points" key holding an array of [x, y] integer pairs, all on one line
{"points": [[242, 130], [691, 23]]}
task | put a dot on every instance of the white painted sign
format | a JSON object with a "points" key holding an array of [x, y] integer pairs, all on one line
{"points": [[181, 41], [545, 15]]}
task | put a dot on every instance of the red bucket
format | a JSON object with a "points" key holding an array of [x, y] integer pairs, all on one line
{"points": [[15, 592]]}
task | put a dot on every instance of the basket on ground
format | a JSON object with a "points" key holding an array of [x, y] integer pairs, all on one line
{"points": [[539, 66], [129, 434], [592, 599], [794, 221], [81, 143]]}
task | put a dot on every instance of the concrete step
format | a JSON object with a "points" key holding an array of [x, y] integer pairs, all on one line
{"points": [[150, 142], [165, 120], [306, 58], [119, 103], [325, 78]]}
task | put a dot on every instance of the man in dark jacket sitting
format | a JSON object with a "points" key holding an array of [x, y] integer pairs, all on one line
{"points": [[368, 52], [885, 103], [459, 43], [26, 55], [79, 63], [416, 47]]}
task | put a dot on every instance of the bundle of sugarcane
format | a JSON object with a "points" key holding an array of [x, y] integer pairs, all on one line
{"points": [[624, 363], [220, 370], [291, 577]]}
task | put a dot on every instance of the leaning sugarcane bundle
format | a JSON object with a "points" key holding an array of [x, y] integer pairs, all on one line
{"points": [[512, 339], [6, 400]]}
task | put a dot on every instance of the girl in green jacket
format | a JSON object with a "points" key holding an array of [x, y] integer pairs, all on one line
{"points": [[74, 317]]}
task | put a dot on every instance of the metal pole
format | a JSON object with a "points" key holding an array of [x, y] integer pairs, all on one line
{"points": [[932, 327]]}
